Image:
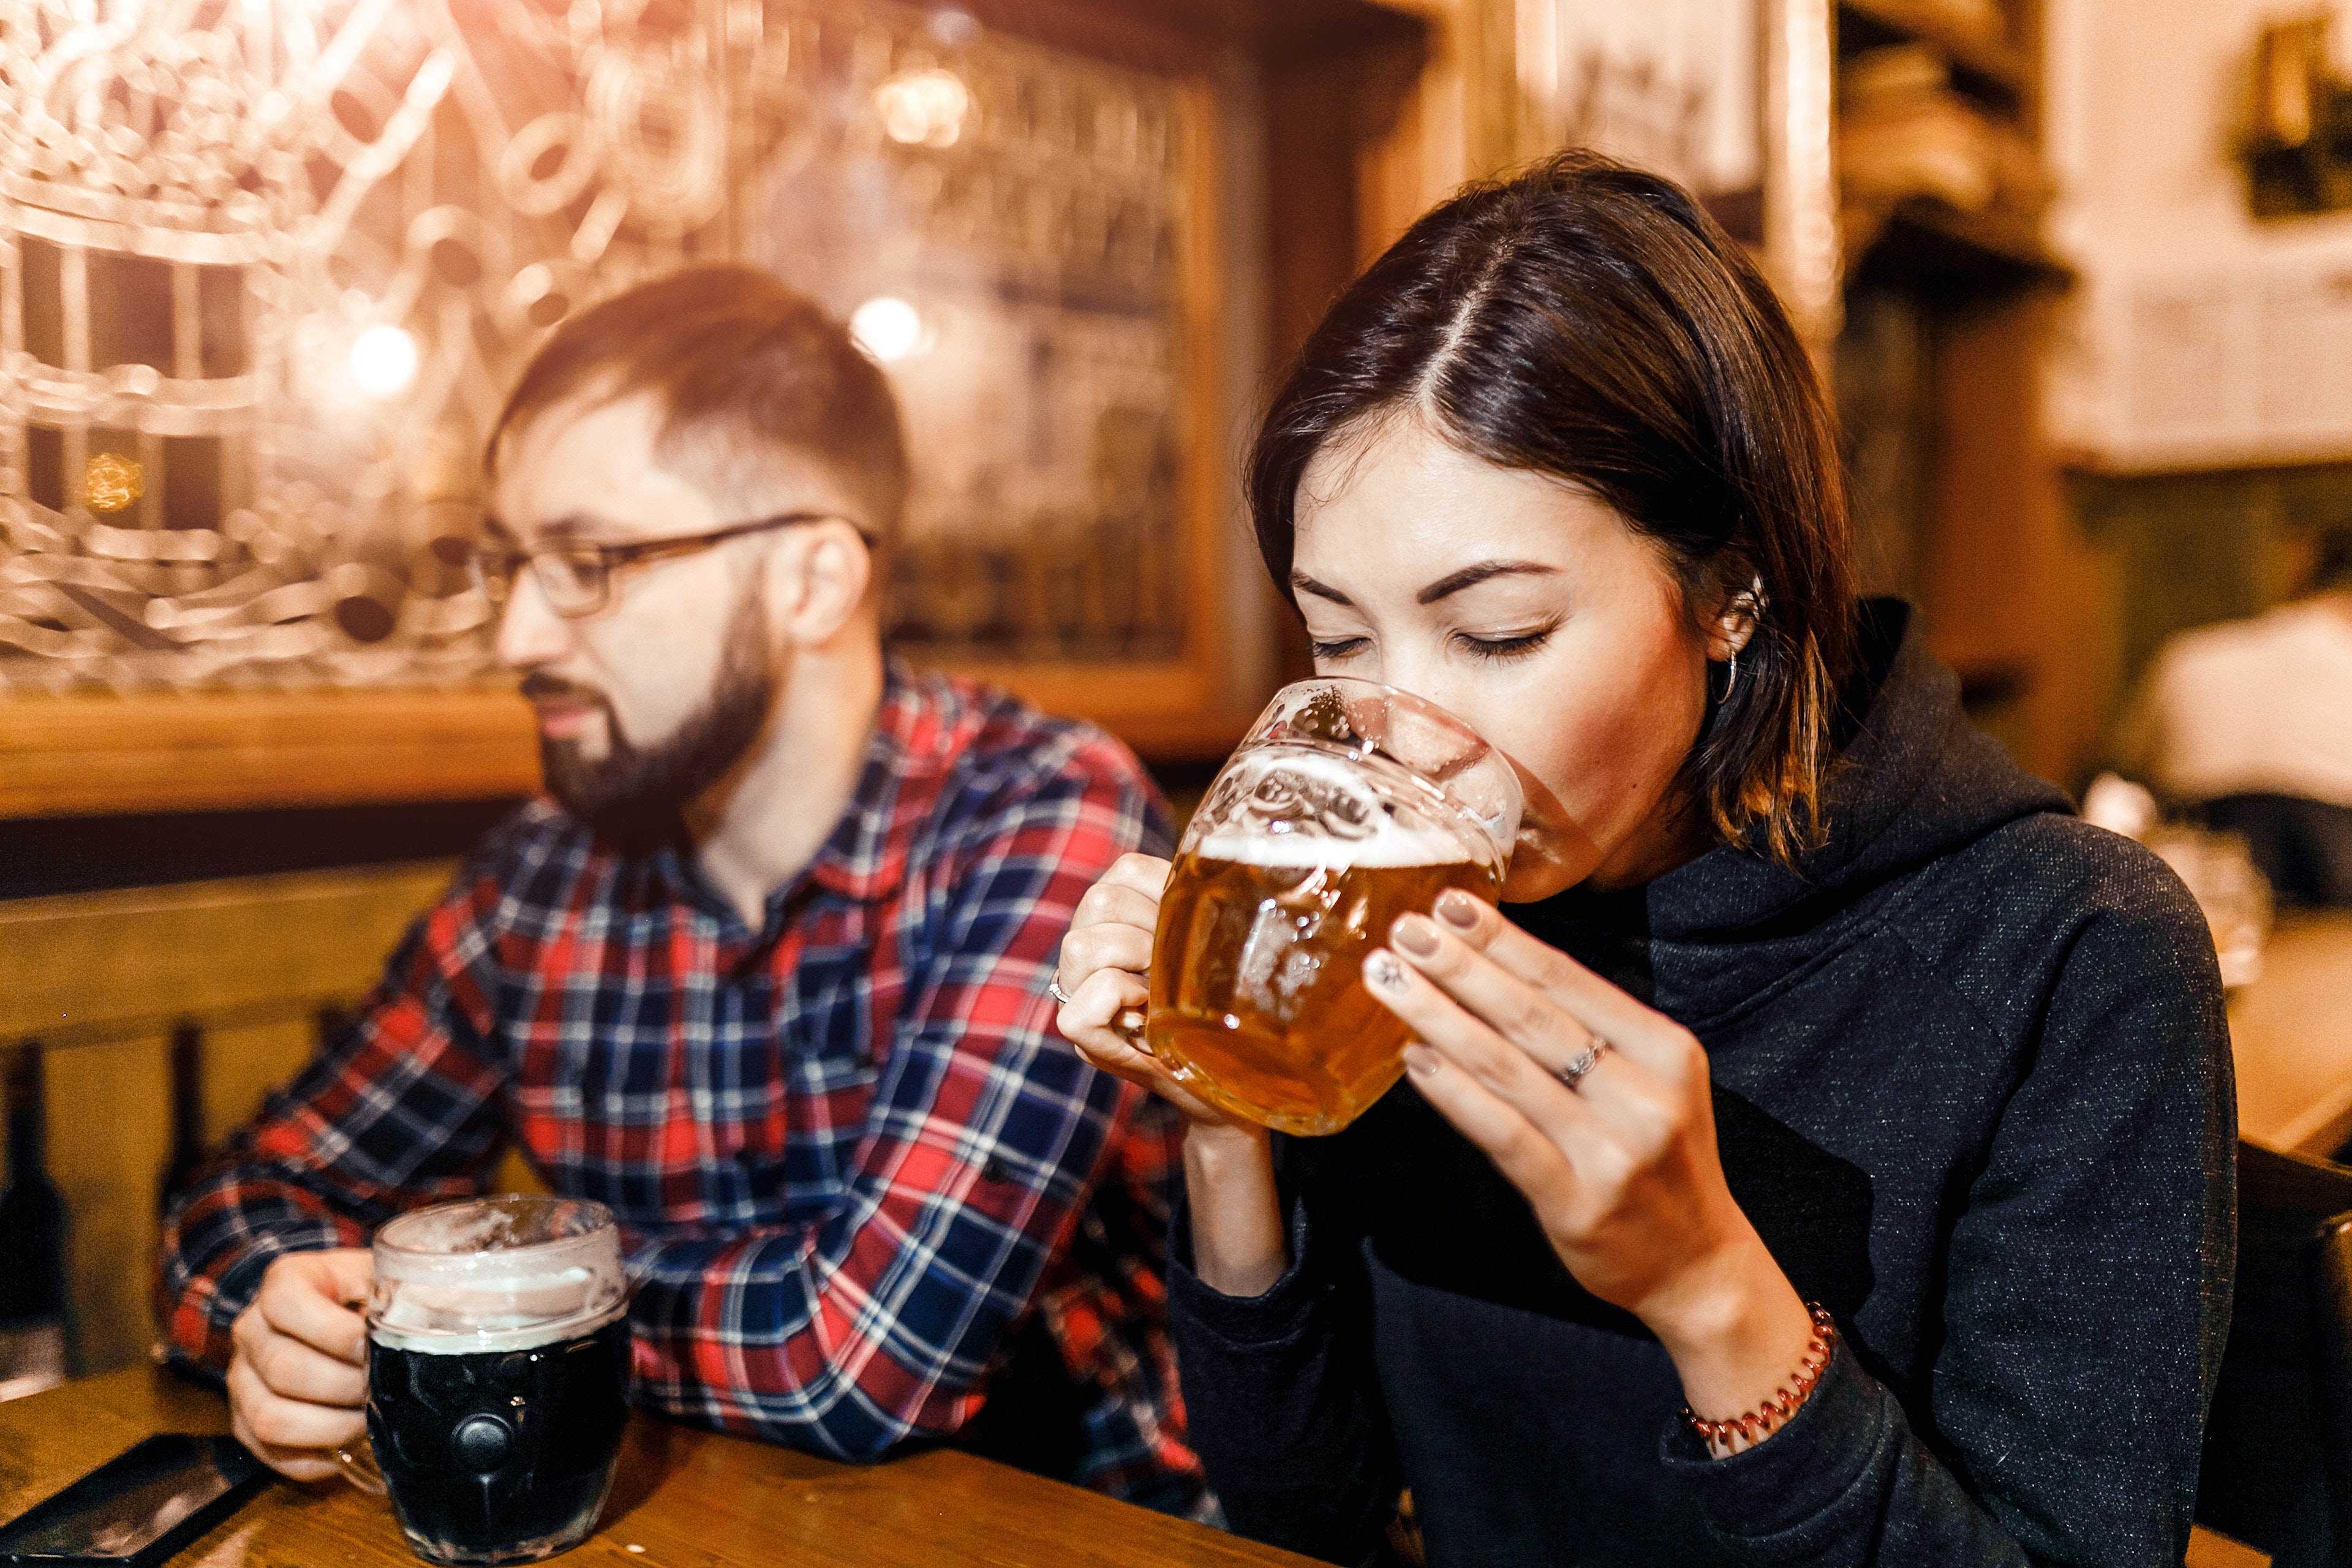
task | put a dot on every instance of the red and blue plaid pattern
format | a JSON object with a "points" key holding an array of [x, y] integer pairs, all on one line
{"points": [[849, 1152]]}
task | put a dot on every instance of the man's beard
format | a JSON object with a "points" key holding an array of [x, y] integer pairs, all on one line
{"points": [[637, 798]]}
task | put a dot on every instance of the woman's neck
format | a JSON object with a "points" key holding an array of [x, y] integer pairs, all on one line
{"points": [[1673, 835]]}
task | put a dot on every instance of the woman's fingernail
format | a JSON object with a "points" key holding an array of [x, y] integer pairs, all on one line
{"points": [[1458, 909], [1421, 1059], [1415, 935], [1383, 969]]}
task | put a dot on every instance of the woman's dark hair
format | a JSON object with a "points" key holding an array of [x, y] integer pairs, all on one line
{"points": [[1589, 321]]}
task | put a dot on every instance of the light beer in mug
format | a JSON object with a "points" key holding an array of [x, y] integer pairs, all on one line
{"points": [[1351, 805]]}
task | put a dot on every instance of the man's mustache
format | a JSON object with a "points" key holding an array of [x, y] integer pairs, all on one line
{"points": [[548, 688]]}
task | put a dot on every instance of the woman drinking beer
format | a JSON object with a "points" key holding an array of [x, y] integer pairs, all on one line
{"points": [[1823, 1153]]}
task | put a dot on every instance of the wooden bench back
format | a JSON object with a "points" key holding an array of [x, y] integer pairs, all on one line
{"points": [[105, 981]]}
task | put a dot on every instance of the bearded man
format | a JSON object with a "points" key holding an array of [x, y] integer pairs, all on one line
{"points": [[765, 972]]}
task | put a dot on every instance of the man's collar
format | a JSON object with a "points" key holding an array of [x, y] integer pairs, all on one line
{"points": [[911, 744]]}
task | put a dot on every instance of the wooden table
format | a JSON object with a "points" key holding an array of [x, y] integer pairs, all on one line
{"points": [[2291, 1035], [683, 1496]]}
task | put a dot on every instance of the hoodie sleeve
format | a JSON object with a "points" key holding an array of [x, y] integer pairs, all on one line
{"points": [[1284, 1405], [2087, 1300]]}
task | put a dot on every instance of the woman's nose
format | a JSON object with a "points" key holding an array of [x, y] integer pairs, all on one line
{"points": [[1423, 678], [1434, 683]]}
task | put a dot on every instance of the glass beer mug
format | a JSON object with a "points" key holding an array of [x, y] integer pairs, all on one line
{"points": [[497, 1375], [1348, 804]]}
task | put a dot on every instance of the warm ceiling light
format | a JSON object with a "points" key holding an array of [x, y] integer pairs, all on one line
{"points": [[384, 360], [925, 108], [111, 483], [888, 329]]}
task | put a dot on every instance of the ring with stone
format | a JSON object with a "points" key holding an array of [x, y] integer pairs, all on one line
{"points": [[1575, 1071], [1053, 989]]}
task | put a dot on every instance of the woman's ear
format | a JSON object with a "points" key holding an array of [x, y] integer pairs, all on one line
{"points": [[1735, 624], [823, 583]]}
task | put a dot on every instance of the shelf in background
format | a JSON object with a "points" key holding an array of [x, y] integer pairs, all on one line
{"points": [[105, 756], [1985, 64], [101, 755], [1924, 243]]}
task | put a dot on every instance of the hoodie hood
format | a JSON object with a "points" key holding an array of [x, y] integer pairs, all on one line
{"points": [[1913, 781]]}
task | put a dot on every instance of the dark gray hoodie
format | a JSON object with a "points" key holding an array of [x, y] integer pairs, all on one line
{"points": [[1971, 1085]]}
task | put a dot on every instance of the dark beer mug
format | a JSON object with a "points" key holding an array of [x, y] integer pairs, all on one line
{"points": [[497, 1375]]}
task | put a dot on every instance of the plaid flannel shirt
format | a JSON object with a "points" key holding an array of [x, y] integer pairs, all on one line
{"points": [[855, 1165]]}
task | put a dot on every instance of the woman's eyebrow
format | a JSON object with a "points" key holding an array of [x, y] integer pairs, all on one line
{"points": [[1306, 585], [1455, 581]]}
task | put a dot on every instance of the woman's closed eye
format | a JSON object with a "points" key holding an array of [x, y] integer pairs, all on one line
{"points": [[1503, 649], [1493, 649]]}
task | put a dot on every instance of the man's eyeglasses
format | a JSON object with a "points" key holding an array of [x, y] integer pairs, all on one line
{"points": [[578, 578]]}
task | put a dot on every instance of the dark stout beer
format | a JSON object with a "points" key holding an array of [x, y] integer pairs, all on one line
{"points": [[498, 1456], [497, 1375], [1257, 995]]}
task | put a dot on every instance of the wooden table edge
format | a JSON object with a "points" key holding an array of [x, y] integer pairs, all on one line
{"points": [[50, 1439]]}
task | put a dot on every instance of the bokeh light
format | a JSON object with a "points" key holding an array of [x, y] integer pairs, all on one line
{"points": [[925, 108], [383, 360], [887, 328]]}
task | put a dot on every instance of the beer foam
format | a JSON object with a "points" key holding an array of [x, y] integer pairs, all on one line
{"points": [[1390, 847], [457, 1228], [490, 1337], [484, 1274], [1290, 829], [452, 1317], [431, 1305], [1321, 766]]}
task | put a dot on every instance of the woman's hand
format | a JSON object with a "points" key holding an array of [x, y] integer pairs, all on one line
{"points": [[1105, 961], [1238, 1245], [1621, 1169]]}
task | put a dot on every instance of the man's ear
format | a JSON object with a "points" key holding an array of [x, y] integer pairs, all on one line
{"points": [[818, 588]]}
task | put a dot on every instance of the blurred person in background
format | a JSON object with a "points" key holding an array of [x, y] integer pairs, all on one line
{"points": [[2246, 727], [764, 972]]}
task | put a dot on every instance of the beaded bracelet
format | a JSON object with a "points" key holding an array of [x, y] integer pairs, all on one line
{"points": [[1762, 1422]]}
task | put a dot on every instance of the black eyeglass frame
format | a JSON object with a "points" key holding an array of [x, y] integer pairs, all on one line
{"points": [[609, 558]]}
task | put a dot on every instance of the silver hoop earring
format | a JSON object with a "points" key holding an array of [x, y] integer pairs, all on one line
{"points": [[1731, 679]]}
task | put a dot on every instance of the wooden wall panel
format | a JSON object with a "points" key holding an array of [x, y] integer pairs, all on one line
{"points": [[104, 755], [2011, 588], [243, 1064]]}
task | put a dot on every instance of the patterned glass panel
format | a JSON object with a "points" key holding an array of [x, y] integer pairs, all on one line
{"points": [[267, 266]]}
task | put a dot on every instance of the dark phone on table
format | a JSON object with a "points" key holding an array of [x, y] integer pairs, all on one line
{"points": [[137, 1507]]}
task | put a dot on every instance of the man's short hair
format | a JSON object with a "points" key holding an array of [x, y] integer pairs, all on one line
{"points": [[745, 371]]}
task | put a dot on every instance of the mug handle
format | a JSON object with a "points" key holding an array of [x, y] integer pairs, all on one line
{"points": [[360, 1468]]}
